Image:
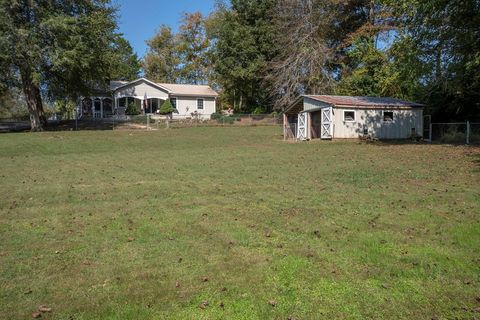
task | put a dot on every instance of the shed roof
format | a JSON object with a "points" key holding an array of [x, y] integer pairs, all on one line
{"points": [[358, 101]]}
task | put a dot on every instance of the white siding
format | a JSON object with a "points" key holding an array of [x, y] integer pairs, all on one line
{"points": [[372, 119], [309, 104], [187, 105], [139, 89]]}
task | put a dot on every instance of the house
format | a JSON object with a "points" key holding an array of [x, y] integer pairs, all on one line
{"points": [[148, 96], [328, 117]]}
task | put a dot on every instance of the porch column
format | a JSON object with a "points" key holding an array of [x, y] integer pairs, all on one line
{"points": [[285, 123], [101, 108], [93, 106], [141, 106]]}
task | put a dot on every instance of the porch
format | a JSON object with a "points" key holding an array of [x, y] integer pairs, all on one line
{"points": [[106, 107]]}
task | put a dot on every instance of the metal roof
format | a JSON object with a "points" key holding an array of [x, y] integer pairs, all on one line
{"points": [[357, 101]]}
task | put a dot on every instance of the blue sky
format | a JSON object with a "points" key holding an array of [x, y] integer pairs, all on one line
{"points": [[139, 19]]}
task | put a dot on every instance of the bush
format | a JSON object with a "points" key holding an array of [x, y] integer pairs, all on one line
{"points": [[132, 109], [228, 119], [216, 116], [453, 137], [166, 108], [258, 110]]}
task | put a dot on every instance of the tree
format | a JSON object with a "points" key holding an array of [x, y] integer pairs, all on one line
{"points": [[365, 65], [161, 61], [192, 45], [443, 35], [56, 49], [166, 108], [244, 43], [125, 63], [301, 68]]}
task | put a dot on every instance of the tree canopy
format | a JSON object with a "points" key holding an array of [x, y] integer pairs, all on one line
{"points": [[60, 50], [260, 54]]}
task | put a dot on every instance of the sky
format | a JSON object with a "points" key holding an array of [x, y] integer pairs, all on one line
{"points": [[139, 19]]}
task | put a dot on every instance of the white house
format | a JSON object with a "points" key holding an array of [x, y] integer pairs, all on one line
{"points": [[327, 117], [148, 96]]}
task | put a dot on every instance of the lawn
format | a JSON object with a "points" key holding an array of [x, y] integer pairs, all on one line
{"points": [[234, 223]]}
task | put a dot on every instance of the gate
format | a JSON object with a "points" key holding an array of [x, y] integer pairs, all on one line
{"points": [[327, 127], [427, 127]]}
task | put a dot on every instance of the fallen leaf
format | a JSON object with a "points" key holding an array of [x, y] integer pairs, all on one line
{"points": [[203, 305], [130, 239], [28, 291], [36, 315], [44, 308], [273, 303], [204, 279], [177, 284]]}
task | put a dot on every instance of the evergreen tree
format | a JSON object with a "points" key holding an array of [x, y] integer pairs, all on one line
{"points": [[244, 43]]}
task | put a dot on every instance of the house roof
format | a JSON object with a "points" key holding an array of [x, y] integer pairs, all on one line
{"points": [[173, 89], [189, 90], [371, 102]]}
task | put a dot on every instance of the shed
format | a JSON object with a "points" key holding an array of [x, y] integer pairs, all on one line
{"points": [[328, 117]]}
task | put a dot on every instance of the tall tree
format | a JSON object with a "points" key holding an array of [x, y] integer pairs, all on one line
{"points": [[162, 60], [303, 66], [60, 49], [244, 43], [192, 46], [445, 37], [125, 63]]}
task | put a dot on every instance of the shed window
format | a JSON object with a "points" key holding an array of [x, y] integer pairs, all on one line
{"points": [[349, 116], [200, 104], [387, 116]]}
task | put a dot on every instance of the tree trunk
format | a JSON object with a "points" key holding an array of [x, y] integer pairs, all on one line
{"points": [[33, 98]]}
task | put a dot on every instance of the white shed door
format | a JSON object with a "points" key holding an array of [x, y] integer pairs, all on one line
{"points": [[302, 126], [327, 127]]}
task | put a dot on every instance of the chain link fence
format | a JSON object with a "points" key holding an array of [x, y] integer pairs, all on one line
{"points": [[455, 132]]}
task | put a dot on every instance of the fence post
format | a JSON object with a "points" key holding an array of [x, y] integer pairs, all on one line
{"points": [[148, 122], [430, 127], [468, 132]]}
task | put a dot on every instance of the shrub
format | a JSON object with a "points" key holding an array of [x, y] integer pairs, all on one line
{"points": [[132, 109], [216, 116], [258, 110], [226, 119], [166, 108]]}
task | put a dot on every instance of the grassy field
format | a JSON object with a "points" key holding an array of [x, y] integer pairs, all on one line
{"points": [[234, 223]]}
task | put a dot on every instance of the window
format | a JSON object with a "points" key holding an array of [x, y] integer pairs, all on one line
{"points": [[387, 116], [348, 116], [199, 104], [173, 101]]}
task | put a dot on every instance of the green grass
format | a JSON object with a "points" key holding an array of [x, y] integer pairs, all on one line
{"points": [[326, 229]]}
